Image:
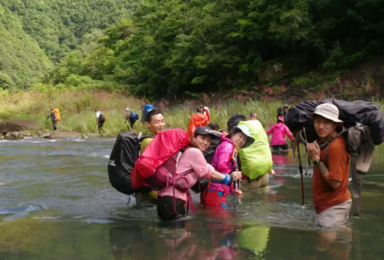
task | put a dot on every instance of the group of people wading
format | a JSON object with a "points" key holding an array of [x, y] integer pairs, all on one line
{"points": [[241, 152]]}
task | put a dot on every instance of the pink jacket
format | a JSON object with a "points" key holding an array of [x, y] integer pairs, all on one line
{"points": [[193, 165], [278, 131], [222, 162]]}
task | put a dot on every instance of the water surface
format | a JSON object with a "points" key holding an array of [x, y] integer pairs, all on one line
{"points": [[56, 203]]}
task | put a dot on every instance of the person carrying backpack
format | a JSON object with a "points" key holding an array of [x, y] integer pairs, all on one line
{"points": [[279, 131], [100, 119], [130, 117], [155, 123], [225, 161], [201, 118], [191, 167], [331, 197], [54, 118]]}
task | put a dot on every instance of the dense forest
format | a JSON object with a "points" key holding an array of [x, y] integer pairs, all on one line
{"points": [[174, 47], [36, 34]]}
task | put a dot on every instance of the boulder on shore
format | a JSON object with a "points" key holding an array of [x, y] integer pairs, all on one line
{"points": [[18, 125], [13, 136], [64, 135]]}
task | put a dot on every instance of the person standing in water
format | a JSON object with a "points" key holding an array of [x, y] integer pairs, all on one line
{"points": [[225, 161], [279, 131], [147, 195], [331, 197], [192, 165]]}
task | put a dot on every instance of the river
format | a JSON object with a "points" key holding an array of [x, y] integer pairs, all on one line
{"points": [[56, 203]]}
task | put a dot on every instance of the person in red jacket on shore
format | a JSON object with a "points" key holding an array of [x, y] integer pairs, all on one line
{"points": [[201, 118]]}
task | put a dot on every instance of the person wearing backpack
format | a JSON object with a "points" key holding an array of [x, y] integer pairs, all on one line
{"points": [[155, 123], [225, 161], [190, 168], [130, 117], [279, 131], [100, 119], [331, 197], [201, 118], [53, 117]]}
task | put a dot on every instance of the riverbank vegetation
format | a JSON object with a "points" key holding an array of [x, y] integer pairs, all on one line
{"points": [[77, 109]]}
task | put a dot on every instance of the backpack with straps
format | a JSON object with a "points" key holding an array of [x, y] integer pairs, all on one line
{"points": [[125, 152], [164, 149], [361, 148]]}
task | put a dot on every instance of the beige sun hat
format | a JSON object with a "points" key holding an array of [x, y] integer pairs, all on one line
{"points": [[328, 111]]}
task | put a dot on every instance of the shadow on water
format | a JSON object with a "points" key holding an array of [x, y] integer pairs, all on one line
{"points": [[57, 203]]}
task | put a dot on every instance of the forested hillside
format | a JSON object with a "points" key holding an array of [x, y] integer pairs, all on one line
{"points": [[35, 34], [176, 47]]}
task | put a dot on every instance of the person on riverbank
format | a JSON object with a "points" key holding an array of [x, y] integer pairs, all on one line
{"points": [[283, 111], [53, 117], [192, 162], [147, 196], [279, 131], [225, 161], [331, 197], [130, 118], [100, 119], [201, 118]]}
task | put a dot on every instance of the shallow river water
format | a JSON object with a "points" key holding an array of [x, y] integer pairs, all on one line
{"points": [[56, 203]]}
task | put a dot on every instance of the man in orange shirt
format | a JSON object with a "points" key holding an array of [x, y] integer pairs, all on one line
{"points": [[331, 197]]}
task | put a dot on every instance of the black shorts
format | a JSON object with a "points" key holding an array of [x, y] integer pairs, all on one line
{"points": [[282, 147], [166, 209]]}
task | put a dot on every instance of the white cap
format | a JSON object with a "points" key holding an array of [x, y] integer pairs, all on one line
{"points": [[328, 111]]}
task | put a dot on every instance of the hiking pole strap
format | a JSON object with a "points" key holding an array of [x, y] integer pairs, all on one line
{"points": [[357, 184]]}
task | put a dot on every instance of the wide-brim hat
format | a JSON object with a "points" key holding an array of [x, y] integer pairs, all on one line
{"points": [[244, 129], [203, 130], [328, 111]]}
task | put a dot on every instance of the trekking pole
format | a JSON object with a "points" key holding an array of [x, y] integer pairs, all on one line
{"points": [[301, 174], [235, 168]]}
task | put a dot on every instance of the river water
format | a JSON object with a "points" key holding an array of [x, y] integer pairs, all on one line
{"points": [[56, 203]]}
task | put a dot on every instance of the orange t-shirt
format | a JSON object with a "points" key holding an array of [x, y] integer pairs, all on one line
{"points": [[196, 121], [324, 196]]}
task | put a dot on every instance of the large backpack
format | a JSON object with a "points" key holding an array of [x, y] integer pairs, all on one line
{"points": [[102, 118], [256, 160], [147, 108], [164, 149], [124, 154], [57, 112], [364, 128]]}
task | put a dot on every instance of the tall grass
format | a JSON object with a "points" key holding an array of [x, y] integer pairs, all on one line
{"points": [[77, 110]]}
